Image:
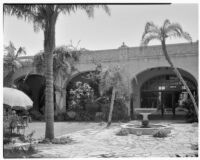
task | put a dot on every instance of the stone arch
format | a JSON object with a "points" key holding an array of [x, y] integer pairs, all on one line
{"points": [[34, 86], [75, 75], [139, 79], [23, 71]]}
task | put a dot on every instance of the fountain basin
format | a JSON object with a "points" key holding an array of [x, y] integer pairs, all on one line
{"points": [[139, 130]]}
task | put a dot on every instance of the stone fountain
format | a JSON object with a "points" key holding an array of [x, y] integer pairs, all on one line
{"points": [[145, 128]]}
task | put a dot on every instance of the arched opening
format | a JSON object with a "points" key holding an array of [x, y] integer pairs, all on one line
{"points": [[34, 86], [160, 87], [164, 90]]}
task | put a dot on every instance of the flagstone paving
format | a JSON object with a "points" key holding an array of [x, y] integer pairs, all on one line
{"points": [[103, 142]]}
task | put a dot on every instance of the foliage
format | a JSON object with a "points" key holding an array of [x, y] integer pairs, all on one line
{"points": [[18, 153], [44, 17], [114, 77], [167, 30], [191, 115], [38, 14], [112, 84], [162, 133], [79, 96], [11, 55], [99, 116], [122, 132], [6, 140], [64, 60], [59, 117], [107, 78], [195, 147], [120, 111], [61, 140], [82, 115], [10, 122], [11, 61], [36, 115]]}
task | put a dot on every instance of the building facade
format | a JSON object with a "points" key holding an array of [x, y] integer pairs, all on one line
{"points": [[151, 81]]}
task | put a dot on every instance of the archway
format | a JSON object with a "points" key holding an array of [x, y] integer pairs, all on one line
{"points": [[34, 86], [157, 87], [80, 77]]}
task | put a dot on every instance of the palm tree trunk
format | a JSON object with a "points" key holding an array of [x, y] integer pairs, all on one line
{"points": [[7, 81], [180, 77], [49, 45], [111, 107]]}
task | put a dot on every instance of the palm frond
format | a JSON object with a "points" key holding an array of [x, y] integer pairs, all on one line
{"points": [[175, 30], [89, 9], [112, 77], [26, 12], [10, 50], [20, 51], [166, 24], [29, 12], [151, 28], [149, 37]]}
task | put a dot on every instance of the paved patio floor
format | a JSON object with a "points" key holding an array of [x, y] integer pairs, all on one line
{"points": [[98, 141]]}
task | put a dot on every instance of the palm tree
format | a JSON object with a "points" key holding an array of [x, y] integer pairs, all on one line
{"points": [[64, 61], [44, 17], [168, 30], [11, 61], [112, 78]]}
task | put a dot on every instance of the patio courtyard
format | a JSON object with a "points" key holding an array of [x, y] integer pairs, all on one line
{"points": [[95, 140]]}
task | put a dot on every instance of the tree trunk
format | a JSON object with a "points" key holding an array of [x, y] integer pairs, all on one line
{"points": [[111, 107], [49, 46], [179, 76], [7, 81]]}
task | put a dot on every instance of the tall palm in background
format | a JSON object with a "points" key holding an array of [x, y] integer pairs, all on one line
{"points": [[113, 78], [11, 62], [44, 17], [168, 30]]}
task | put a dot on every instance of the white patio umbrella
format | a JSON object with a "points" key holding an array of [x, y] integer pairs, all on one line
{"points": [[16, 99]]}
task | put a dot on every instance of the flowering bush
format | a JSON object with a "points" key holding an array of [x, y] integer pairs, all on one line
{"points": [[79, 96]]}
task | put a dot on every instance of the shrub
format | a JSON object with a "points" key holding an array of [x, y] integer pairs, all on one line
{"points": [[62, 140], [194, 146], [191, 114], [84, 116], [120, 111], [161, 134], [92, 108], [31, 150], [6, 140], [59, 117], [122, 132], [79, 96], [36, 115], [99, 116]]}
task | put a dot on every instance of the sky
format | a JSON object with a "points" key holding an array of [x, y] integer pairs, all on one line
{"points": [[125, 24]]}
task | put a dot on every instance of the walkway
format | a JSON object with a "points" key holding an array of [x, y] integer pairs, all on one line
{"points": [[102, 142]]}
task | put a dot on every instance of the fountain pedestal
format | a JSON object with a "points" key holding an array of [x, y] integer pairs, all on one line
{"points": [[145, 112], [145, 116], [145, 128]]}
